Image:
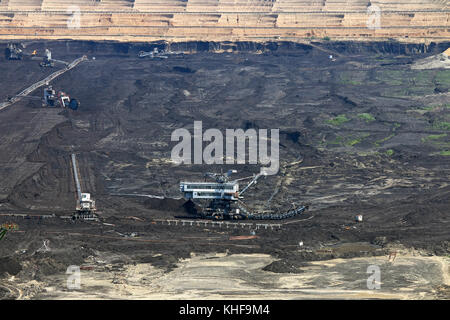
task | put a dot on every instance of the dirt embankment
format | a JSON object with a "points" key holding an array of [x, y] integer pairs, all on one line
{"points": [[240, 20]]}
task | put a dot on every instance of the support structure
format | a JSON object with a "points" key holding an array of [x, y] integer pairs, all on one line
{"points": [[85, 208]]}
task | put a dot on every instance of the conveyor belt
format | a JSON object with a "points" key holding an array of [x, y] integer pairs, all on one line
{"points": [[75, 174], [271, 216]]}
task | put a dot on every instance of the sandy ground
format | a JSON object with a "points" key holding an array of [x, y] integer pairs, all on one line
{"points": [[240, 276]]}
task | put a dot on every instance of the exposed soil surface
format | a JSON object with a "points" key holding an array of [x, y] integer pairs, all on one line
{"points": [[362, 133]]}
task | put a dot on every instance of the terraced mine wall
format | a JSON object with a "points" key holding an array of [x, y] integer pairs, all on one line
{"points": [[226, 20], [335, 47]]}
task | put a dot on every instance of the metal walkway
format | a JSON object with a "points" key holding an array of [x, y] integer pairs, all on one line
{"points": [[219, 224]]}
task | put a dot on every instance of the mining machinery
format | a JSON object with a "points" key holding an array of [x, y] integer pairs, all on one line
{"points": [[51, 98], [16, 51], [48, 61], [13, 52], [163, 54], [223, 200], [60, 99], [85, 207]]}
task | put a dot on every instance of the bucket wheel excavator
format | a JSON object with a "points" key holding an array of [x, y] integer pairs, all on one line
{"points": [[223, 200]]}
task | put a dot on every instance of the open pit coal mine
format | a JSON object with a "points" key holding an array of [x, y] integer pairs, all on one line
{"points": [[362, 132]]}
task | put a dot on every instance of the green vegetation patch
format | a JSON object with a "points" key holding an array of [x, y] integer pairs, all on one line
{"points": [[357, 140], [338, 141], [391, 77], [407, 82], [354, 141], [348, 141], [434, 137], [425, 109], [442, 125], [378, 142], [366, 116], [429, 108], [445, 153], [433, 108], [443, 78], [337, 121], [422, 78], [354, 78], [351, 82], [380, 58], [389, 152]]}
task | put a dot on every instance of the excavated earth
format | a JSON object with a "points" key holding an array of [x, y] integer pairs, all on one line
{"points": [[361, 133]]}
